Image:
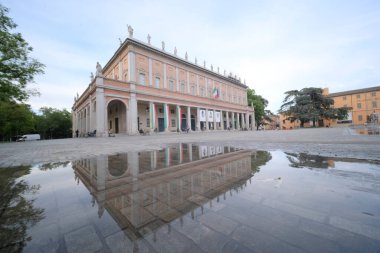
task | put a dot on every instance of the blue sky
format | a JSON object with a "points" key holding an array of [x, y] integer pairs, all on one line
{"points": [[274, 45]]}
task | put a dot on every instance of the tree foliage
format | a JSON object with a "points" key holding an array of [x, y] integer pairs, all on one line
{"points": [[17, 68], [259, 103], [309, 104], [15, 119], [53, 123]]}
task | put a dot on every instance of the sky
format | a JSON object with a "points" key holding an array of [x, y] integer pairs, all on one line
{"points": [[275, 46]]}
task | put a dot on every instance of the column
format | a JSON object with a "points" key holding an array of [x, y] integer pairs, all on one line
{"points": [[242, 121], [178, 118], [214, 119], [188, 118], [228, 120], [246, 120], [150, 72], [152, 116], [165, 85], [233, 120], [253, 119], [132, 66], [238, 121], [101, 110], [176, 77], [166, 117], [198, 126], [221, 120], [120, 71], [207, 120], [190, 151]]}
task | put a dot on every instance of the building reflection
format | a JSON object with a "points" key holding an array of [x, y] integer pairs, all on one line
{"points": [[145, 190]]}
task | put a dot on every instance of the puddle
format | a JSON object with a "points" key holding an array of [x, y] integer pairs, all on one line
{"points": [[192, 198]]}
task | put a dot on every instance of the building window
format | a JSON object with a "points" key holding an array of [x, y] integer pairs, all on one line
{"points": [[147, 122], [373, 93], [173, 122], [110, 124], [359, 105], [160, 110], [374, 104], [157, 82], [202, 92], [142, 78], [171, 85], [172, 111], [360, 117], [344, 98], [358, 96], [182, 87], [209, 93], [192, 90]]}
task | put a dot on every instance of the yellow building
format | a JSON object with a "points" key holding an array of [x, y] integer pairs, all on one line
{"points": [[364, 103]]}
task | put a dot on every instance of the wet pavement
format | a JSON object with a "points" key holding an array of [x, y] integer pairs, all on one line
{"points": [[193, 198], [332, 142]]}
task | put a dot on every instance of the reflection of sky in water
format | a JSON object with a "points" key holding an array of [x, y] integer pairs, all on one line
{"points": [[210, 199]]}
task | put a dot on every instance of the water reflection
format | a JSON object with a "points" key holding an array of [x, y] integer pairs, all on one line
{"points": [[144, 190], [301, 160], [17, 211]]}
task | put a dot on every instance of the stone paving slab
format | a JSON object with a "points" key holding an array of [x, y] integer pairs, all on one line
{"points": [[333, 142]]}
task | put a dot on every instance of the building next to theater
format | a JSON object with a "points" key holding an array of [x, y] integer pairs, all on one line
{"points": [[144, 88], [364, 104]]}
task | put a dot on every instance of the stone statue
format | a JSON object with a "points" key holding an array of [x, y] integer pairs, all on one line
{"points": [[186, 56], [175, 50], [99, 70], [204, 64], [225, 72], [196, 60], [120, 41], [148, 37], [163, 45], [92, 76], [218, 70], [212, 68], [130, 31]]}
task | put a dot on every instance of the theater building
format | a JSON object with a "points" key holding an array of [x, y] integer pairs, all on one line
{"points": [[145, 88]]}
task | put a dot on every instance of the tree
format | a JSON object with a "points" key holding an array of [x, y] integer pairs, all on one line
{"points": [[15, 119], [259, 103], [309, 104], [17, 68], [53, 123]]}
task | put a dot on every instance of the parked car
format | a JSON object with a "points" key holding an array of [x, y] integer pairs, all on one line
{"points": [[29, 137]]}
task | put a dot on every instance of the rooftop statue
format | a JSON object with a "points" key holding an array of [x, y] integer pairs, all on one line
{"points": [[186, 56], [204, 64], [99, 70], [212, 68], [163, 45], [196, 60], [130, 31], [92, 76], [148, 37], [175, 50]]}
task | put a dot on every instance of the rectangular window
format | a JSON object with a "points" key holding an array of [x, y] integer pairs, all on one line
{"points": [[142, 78], [171, 85], [344, 98], [360, 117], [172, 111], [359, 105], [373, 94], [148, 122], [157, 82], [192, 90], [182, 87], [202, 92], [173, 122], [374, 104], [358, 96]]}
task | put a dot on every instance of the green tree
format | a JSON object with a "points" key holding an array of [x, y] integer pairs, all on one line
{"points": [[259, 103], [53, 123], [17, 68], [309, 104], [15, 119]]}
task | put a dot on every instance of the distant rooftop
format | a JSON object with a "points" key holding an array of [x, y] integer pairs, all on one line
{"points": [[350, 92]]}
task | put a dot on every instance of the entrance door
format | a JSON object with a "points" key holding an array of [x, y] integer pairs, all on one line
{"points": [[116, 125], [161, 124], [192, 122]]}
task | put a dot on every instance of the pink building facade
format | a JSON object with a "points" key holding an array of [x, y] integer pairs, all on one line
{"points": [[146, 89]]}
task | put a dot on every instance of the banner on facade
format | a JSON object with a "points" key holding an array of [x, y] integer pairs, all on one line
{"points": [[217, 116], [202, 116], [203, 151], [210, 116]]}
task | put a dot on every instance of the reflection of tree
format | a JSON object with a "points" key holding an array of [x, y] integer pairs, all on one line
{"points": [[259, 159], [17, 212], [305, 160], [51, 166]]}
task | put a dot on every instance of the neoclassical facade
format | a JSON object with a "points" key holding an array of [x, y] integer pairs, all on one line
{"points": [[145, 88]]}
